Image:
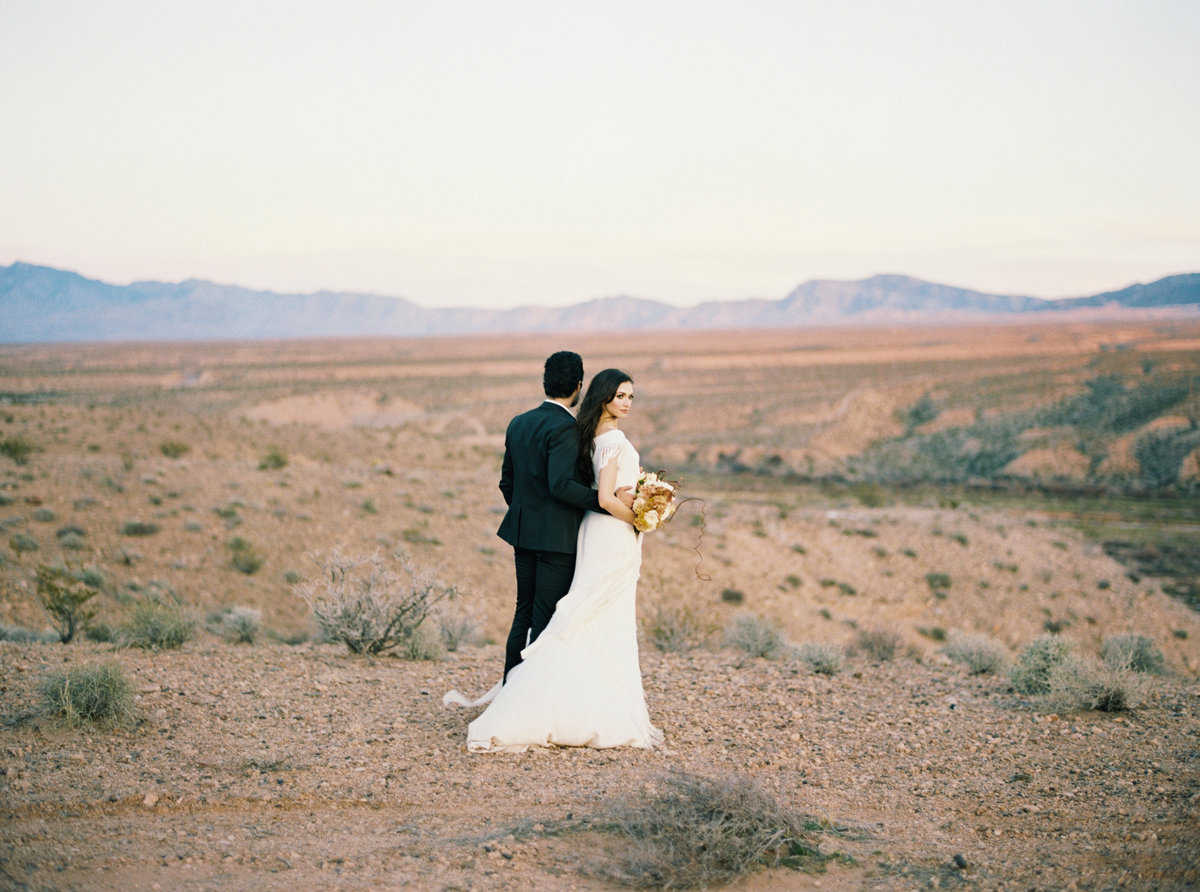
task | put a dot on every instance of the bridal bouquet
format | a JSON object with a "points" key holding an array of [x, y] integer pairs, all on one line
{"points": [[653, 501]]}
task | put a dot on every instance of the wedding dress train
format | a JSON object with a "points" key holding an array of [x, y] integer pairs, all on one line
{"points": [[580, 682]]}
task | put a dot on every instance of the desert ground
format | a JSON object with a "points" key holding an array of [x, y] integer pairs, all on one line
{"points": [[290, 762]]}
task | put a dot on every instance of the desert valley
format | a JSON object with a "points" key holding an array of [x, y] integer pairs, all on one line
{"points": [[871, 495]]}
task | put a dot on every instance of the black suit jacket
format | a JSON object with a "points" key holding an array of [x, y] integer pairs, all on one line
{"points": [[545, 501]]}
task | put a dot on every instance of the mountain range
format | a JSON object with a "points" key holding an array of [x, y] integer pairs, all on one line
{"points": [[42, 304]]}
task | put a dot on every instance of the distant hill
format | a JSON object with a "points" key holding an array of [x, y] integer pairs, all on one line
{"points": [[42, 304]]}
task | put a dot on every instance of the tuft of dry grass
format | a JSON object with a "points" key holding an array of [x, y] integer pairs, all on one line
{"points": [[981, 654], [88, 693], [1077, 684], [692, 832]]}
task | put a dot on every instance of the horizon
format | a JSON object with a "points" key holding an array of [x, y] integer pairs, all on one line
{"points": [[465, 155]]}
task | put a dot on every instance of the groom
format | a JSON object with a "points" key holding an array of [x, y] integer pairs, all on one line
{"points": [[545, 501]]}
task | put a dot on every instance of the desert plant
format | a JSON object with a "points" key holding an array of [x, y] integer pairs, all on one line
{"points": [[675, 629], [139, 528], [689, 832], [878, 644], [822, 658], [1075, 684], [72, 538], [17, 448], [156, 625], [938, 583], [363, 602], [23, 542], [97, 692], [244, 557], [239, 625], [1135, 652], [424, 643], [1031, 675], [732, 596], [174, 448], [22, 635], [981, 654], [756, 635], [457, 630], [65, 598], [273, 460]]}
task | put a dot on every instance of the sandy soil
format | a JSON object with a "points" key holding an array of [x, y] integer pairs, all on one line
{"points": [[301, 766]]}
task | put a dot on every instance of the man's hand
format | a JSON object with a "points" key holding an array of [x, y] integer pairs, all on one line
{"points": [[625, 494]]}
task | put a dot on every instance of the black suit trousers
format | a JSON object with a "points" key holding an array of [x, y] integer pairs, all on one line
{"points": [[543, 577]]}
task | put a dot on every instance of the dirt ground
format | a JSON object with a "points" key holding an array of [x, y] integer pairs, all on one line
{"points": [[298, 765]]}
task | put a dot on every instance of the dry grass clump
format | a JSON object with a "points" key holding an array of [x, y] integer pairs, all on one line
{"points": [[1077, 684], [822, 658], [363, 602], [1031, 675], [238, 625], [1135, 652], [878, 644], [88, 693], [758, 636], [458, 630], [675, 629], [243, 556], [156, 625], [981, 654], [690, 832]]}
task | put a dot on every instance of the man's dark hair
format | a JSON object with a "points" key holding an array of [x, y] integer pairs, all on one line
{"points": [[564, 372]]}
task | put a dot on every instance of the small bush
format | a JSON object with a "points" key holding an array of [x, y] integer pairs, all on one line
{"points": [[363, 602], [155, 625], [756, 635], [88, 693], [732, 596], [1135, 652], [938, 583], [981, 654], [17, 448], [244, 557], [1076, 684], [274, 460], [22, 543], [238, 625], [43, 515], [821, 658], [458, 630], [139, 528], [64, 597], [425, 643], [22, 635], [878, 644], [690, 832], [174, 448], [72, 538], [1031, 675], [675, 630]]}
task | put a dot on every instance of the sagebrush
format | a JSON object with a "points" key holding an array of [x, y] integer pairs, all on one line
{"points": [[981, 654], [373, 604]]}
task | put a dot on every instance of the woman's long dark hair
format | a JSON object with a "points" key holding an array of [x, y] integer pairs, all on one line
{"points": [[599, 394]]}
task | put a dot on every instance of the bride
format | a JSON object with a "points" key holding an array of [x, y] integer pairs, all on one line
{"points": [[579, 683]]}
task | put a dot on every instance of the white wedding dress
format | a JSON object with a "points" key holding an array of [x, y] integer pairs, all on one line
{"points": [[579, 683]]}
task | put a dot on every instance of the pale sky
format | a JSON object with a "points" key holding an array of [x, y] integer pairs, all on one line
{"points": [[546, 152]]}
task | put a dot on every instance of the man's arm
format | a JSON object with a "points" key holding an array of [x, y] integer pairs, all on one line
{"points": [[506, 474], [563, 452]]}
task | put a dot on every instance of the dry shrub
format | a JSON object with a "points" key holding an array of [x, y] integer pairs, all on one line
{"points": [[363, 602], [878, 644], [65, 598], [1076, 683], [689, 832], [822, 658], [88, 693], [756, 635], [156, 625], [981, 654], [676, 630], [238, 625], [458, 630], [1031, 675], [1135, 652]]}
